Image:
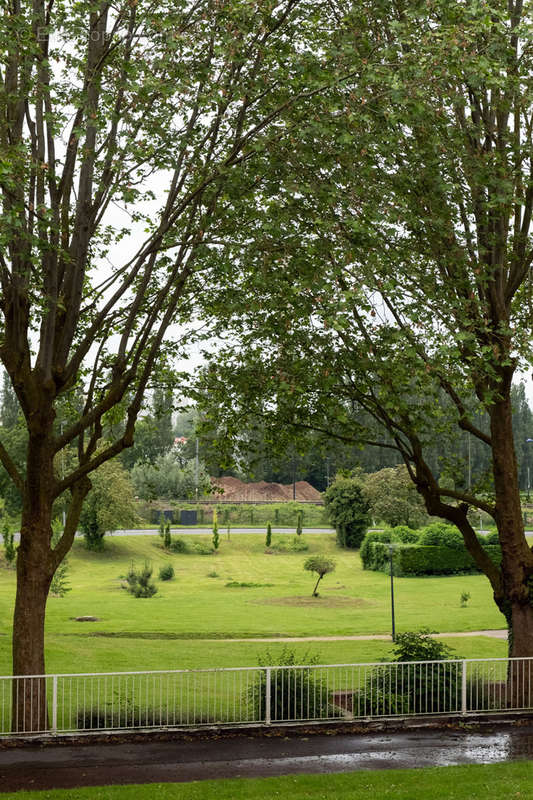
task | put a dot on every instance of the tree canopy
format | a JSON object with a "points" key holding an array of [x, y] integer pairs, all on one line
{"points": [[128, 131], [401, 284]]}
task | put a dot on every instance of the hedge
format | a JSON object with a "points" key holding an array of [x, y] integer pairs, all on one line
{"points": [[424, 560]]}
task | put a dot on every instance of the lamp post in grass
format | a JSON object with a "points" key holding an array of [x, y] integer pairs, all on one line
{"points": [[391, 550]]}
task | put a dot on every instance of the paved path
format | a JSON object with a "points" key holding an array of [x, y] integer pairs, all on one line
{"points": [[243, 755], [493, 634]]}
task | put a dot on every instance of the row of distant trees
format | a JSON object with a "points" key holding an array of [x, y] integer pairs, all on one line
{"points": [[162, 462]]}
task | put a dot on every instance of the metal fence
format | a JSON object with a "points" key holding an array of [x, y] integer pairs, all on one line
{"points": [[262, 695]]}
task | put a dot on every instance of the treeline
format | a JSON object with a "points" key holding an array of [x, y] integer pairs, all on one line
{"points": [[175, 452]]}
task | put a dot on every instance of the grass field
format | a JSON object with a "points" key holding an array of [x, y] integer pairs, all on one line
{"points": [[443, 783], [169, 630]]}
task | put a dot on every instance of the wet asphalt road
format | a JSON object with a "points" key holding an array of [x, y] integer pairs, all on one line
{"points": [[242, 755]]}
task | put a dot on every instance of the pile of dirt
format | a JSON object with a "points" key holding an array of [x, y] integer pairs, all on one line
{"points": [[237, 491]]}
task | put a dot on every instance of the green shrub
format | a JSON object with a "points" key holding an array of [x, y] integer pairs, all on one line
{"points": [[213, 574], [166, 572], [366, 551], [405, 535], [216, 536], [245, 585], [438, 534], [139, 584], [201, 549], [296, 544], [295, 694], [268, 539], [299, 523], [179, 545], [417, 687], [420, 560], [492, 538], [348, 511]]}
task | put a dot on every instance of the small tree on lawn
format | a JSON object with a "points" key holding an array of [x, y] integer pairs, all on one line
{"points": [[299, 527], [348, 510], [109, 505], [167, 538], [322, 566], [268, 540], [216, 537]]}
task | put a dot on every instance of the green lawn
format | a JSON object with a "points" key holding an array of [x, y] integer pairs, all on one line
{"points": [[168, 630], [443, 783]]}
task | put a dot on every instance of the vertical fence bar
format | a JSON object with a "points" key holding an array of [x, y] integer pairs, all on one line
{"points": [[463, 687], [268, 698], [54, 704]]}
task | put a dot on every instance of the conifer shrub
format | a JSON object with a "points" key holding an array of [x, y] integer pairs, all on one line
{"points": [[166, 572]]}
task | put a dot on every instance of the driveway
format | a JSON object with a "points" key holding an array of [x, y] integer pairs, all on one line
{"points": [[232, 755]]}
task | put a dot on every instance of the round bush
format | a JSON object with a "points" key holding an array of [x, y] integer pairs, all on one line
{"points": [[166, 572], [441, 535], [405, 535], [365, 551], [492, 538]]}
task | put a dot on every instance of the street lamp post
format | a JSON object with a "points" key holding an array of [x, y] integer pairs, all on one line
{"points": [[392, 592]]}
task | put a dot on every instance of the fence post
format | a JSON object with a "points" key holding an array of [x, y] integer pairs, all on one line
{"points": [[268, 719], [54, 704], [463, 688]]}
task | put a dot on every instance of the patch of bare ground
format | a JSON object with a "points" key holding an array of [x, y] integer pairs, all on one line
{"points": [[322, 601]]}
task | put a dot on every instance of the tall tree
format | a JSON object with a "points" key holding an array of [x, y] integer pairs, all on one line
{"points": [[127, 134], [403, 272]]}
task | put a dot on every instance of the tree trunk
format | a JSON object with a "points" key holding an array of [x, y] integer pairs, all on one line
{"points": [[520, 672], [35, 569], [29, 709], [517, 560]]}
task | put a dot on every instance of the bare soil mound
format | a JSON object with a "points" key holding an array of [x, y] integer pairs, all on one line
{"points": [[237, 491], [322, 601]]}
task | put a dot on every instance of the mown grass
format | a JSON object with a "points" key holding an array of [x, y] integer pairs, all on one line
{"points": [[441, 783], [167, 630]]}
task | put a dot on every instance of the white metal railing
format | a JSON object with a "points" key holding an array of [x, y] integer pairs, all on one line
{"points": [[262, 695]]}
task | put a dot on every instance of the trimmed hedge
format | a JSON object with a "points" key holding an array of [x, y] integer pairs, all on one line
{"points": [[426, 560]]}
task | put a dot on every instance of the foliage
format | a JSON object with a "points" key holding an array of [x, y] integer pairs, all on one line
{"points": [[407, 313], [422, 560], [59, 585], [405, 535], [322, 566], [166, 572], [179, 545], [129, 137], [139, 583], [169, 477], [420, 646], [367, 552], [464, 598], [216, 537], [167, 538], [347, 510], [419, 688], [10, 549], [393, 498], [299, 520], [109, 505], [295, 544], [439, 534], [201, 549], [295, 694], [268, 539]]}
